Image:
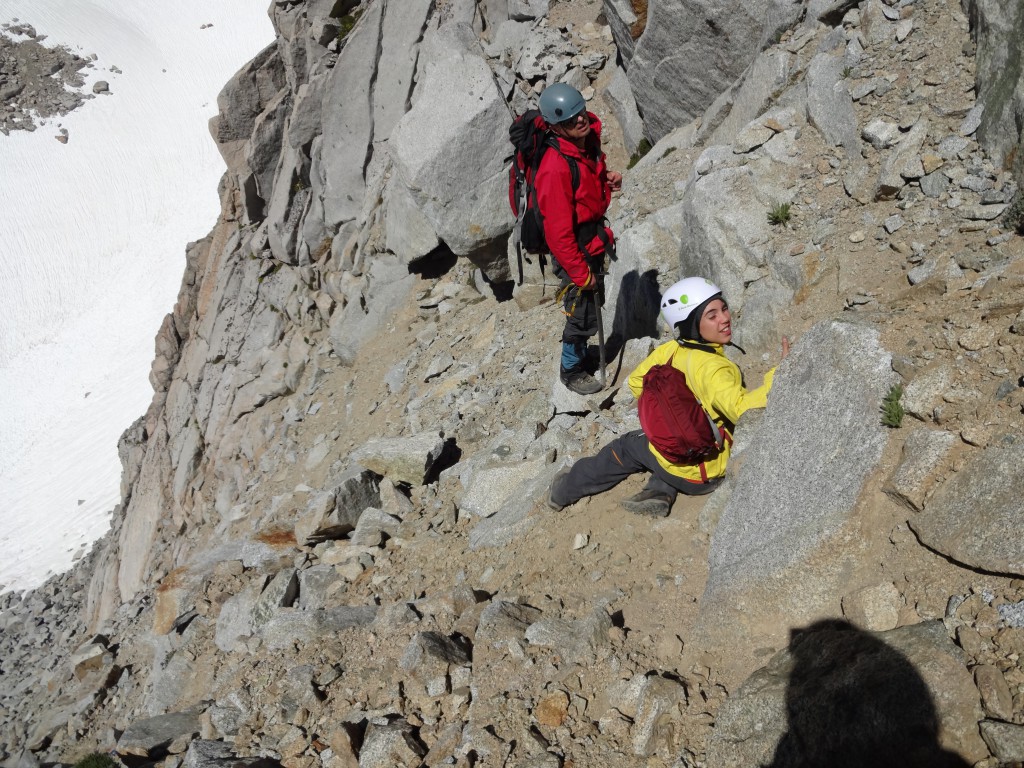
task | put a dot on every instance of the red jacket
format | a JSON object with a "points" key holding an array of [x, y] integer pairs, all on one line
{"points": [[563, 210]]}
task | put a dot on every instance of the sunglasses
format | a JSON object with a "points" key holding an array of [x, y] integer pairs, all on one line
{"points": [[582, 116]]}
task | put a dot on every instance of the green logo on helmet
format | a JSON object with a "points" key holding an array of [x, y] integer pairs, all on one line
{"points": [[684, 299]]}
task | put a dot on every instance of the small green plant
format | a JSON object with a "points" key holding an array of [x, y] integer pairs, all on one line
{"points": [[346, 23], [641, 149], [779, 213], [847, 71], [96, 760], [892, 411]]}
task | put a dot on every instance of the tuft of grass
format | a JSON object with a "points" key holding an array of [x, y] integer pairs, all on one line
{"points": [[779, 213], [96, 760], [641, 149], [892, 411], [346, 23], [847, 71]]}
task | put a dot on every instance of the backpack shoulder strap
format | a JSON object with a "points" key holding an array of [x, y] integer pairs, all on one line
{"points": [[574, 168], [719, 433]]}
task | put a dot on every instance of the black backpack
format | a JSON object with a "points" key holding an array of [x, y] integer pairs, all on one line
{"points": [[531, 139]]}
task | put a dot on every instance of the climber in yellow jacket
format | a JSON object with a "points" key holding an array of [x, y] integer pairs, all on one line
{"points": [[694, 307]]}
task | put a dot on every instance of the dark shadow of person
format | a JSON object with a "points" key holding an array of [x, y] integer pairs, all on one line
{"points": [[636, 312], [853, 702]]}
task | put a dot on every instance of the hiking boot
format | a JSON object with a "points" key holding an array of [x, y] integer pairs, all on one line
{"points": [[579, 381], [548, 501], [649, 503]]}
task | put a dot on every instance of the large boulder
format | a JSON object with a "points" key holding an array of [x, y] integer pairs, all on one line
{"points": [[360, 108], [388, 285], [692, 50], [724, 212], [408, 460], [240, 104], [449, 150], [997, 27], [793, 560], [512, 519], [829, 104], [750, 96], [626, 26], [974, 517], [408, 233], [619, 97], [334, 513], [150, 738]]}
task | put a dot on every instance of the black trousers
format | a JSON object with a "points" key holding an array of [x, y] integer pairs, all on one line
{"points": [[622, 457], [581, 308]]}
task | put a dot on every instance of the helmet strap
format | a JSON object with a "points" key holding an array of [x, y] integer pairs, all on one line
{"points": [[706, 347]]}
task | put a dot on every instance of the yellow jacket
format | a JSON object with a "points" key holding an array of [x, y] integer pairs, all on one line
{"points": [[718, 384]]}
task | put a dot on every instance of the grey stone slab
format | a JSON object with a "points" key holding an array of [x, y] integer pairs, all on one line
{"points": [[449, 149], [402, 459], [1006, 740], [492, 487], [829, 105], [999, 78], [294, 628], [152, 736], [894, 173], [786, 563], [923, 452], [974, 516], [668, 70]]}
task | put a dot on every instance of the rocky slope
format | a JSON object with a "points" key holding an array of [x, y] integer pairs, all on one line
{"points": [[332, 548], [37, 81]]}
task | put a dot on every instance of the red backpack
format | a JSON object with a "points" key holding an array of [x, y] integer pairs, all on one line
{"points": [[531, 139], [674, 420]]}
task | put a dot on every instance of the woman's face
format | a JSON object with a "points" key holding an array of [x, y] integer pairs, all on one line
{"points": [[716, 323]]}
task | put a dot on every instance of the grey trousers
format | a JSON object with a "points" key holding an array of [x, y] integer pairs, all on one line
{"points": [[622, 457]]}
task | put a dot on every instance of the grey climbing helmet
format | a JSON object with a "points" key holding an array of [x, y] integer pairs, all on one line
{"points": [[560, 102]]}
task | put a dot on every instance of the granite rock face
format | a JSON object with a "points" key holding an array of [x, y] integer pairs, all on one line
{"points": [[996, 28], [669, 70], [426, 606], [792, 561]]}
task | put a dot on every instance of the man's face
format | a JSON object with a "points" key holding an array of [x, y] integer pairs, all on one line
{"points": [[575, 128]]}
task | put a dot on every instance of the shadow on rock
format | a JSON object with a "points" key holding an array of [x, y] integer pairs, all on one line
{"points": [[853, 701], [636, 312]]}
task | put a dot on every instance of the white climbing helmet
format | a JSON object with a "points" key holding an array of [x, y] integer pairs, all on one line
{"points": [[679, 301]]}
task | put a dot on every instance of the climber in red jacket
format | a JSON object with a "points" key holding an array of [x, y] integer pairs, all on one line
{"points": [[574, 223]]}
